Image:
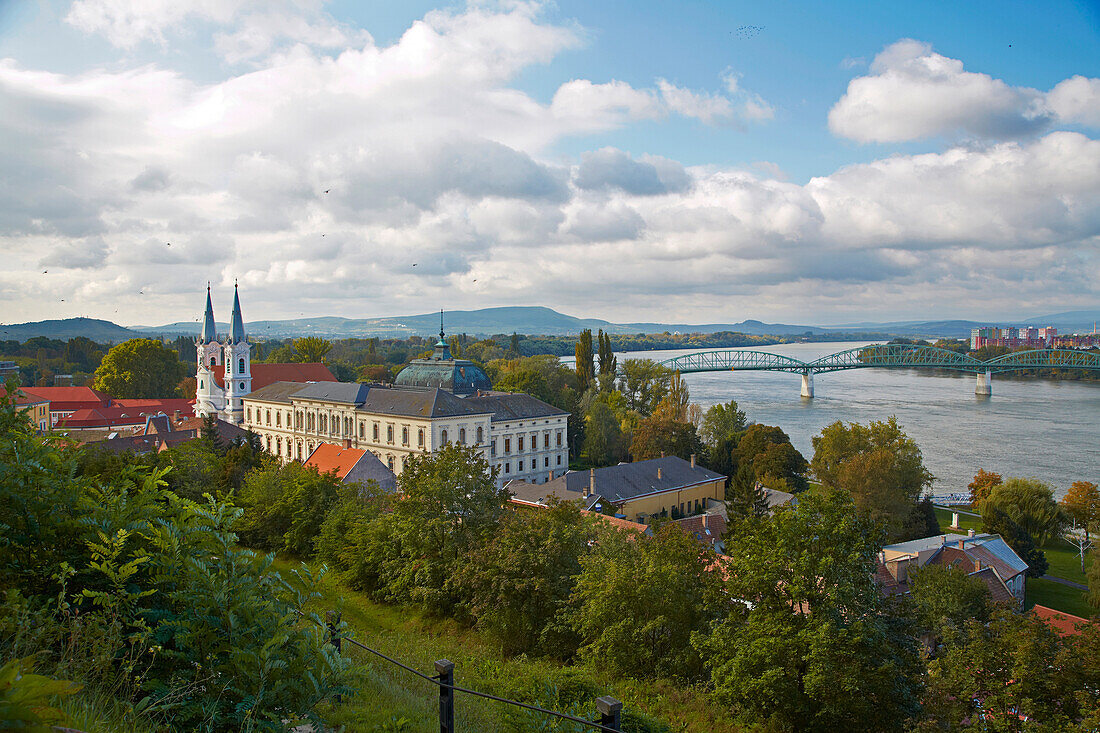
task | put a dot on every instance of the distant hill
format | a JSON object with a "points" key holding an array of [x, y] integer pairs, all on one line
{"points": [[1069, 322], [93, 328]]}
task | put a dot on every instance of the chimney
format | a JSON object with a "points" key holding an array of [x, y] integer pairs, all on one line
{"points": [[591, 483], [176, 416], [693, 461], [658, 473], [962, 544], [977, 565], [550, 477], [704, 521], [969, 533]]}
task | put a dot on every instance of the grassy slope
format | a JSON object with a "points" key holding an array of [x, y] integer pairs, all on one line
{"points": [[1064, 563], [389, 694]]}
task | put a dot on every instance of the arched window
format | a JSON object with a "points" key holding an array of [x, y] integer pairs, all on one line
{"points": [[213, 362], [269, 417], [240, 366], [420, 438], [443, 437], [362, 431], [278, 419], [200, 384], [404, 436], [480, 434], [249, 414], [278, 446], [389, 434], [390, 462], [376, 432], [462, 436]]}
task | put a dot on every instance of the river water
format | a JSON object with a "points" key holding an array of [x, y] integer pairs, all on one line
{"points": [[1044, 429]]}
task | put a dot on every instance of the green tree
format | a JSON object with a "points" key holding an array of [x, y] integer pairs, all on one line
{"points": [[660, 434], [920, 522], [140, 368], [285, 506], [983, 483], [603, 437], [997, 521], [638, 600], [877, 463], [774, 461], [745, 494], [586, 374], [722, 422], [1031, 505], [814, 628], [943, 599], [1082, 504], [311, 349], [609, 363], [521, 583], [645, 384], [513, 346]]}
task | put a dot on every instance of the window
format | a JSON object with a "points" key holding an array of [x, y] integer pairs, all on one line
{"points": [[242, 385], [240, 366], [559, 459], [376, 432], [443, 437], [546, 440], [480, 435], [278, 446], [559, 439], [389, 461], [200, 384], [546, 462], [507, 445], [267, 442], [520, 466], [249, 414], [362, 430], [278, 419], [213, 362], [404, 436], [389, 434], [420, 437], [462, 436], [507, 468], [269, 417], [299, 450], [519, 447]]}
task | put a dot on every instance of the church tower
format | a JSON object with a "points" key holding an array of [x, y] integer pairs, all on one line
{"points": [[238, 366], [209, 396]]}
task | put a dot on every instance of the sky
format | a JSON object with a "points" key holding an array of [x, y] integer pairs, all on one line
{"points": [[690, 162]]}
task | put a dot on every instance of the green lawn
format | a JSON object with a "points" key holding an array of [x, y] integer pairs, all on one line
{"points": [[392, 699], [1043, 592]]}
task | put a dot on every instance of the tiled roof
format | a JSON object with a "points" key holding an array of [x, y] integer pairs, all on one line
{"points": [[275, 392], [624, 524], [22, 398], [265, 374], [1064, 623], [540, 494], [417, 402], [998, 591], [65, 399], [631, 480], [507, 406], [351, 464], [707, 528], [348, 393]]}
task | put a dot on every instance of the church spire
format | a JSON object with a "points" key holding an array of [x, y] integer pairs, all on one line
{"points": [[236, 330], [442, 351], [209, 332]]}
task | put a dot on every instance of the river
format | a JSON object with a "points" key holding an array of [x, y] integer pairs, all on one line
{"points": [[1044, 429]]}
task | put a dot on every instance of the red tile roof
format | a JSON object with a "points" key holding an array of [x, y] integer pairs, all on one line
{"points": [[66, 399], [1064, 623], [265, 374], [707, 528], [327, 457], [623, 524], [22, 398]]}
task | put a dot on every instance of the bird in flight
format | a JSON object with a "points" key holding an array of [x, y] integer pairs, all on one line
{"points": [[168, 244], [44, 272], [414, 264], [327, 190]]}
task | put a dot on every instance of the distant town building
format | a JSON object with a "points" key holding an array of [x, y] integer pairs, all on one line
{"points": [[351, 465], [37, 409], [84, 407], [1039, 338]]}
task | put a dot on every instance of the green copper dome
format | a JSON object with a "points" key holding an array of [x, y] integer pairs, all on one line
{"points": [[457, 376]]}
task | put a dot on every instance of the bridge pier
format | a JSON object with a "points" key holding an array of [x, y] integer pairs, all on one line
{"points": [[985, 384], [808, 384]]}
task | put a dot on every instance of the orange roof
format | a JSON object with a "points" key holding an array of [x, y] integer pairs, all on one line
{"points": [[21, 398], [65, 399], [617, 523], [1064, 623], [265, 374], [327, 458]]}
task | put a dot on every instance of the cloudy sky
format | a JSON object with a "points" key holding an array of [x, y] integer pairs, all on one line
{"points": [[693, 162]]}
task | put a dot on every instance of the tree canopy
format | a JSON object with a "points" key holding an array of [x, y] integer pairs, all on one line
{"points": [[1030, 504], [140, 369]]}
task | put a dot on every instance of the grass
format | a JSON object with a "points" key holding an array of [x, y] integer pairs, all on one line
{"points": [[392, 699], [1043, 592], [93, 712]]}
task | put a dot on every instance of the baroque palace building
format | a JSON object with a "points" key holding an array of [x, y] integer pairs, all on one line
{"points": [[434, 402]]}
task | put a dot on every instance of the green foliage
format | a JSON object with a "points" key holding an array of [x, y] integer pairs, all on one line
{"points": [[311, 349], [25, 698], [920, 522], [722, 422], [1030, 504], [662, 434], [140, 368], [944, 599], [997, 521], [284, 506], [586, 373], [603, 437], [639, 599], [609, 363], [521, 582], [814, 650], [877, 463], [1094, 581], [645, 384]]}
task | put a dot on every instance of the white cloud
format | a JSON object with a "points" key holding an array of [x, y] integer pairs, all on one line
{"points": [[914, 93]]}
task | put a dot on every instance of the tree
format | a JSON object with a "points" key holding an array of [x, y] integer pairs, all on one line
{"points": [[997, 521], [645, 384], [310, 349], [140, 369], [285, 506], [660, 435], [1094, 581], [811, 628], [513, 345], [520, 585], [1082, 503], [745, 495], [676, 401], [586, 373], [1080, 538], [943, 599], [638, 600], [983, 483], [774, 461], [1031, 505], [722, 422], [603, 438], [609, 363], [877, 463], [920, 522]]}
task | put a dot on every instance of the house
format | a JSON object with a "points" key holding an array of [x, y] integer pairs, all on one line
{"points": [[984, 556], [37, 409], [776, 499], [707, 528], [351, 465], [1064, 623], [668, 486], [528, 496], [161, 433]]}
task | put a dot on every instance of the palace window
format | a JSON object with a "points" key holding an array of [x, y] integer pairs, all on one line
{"points": [[249, 414], [390, 462], [519, 468], [268, 417], [240, 366], [420, 437], [480, 435], [546, 440], [389, 434], [362, 430], [376, 432], [507, 445], [278, 446], [559, 459], [519, 447], [278, 419], [507, 468], [546, 462], [404, 436], [443, 437], [559, 439], [462, 436]]}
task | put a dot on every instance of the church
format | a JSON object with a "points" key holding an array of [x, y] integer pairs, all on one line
{"points": [[225, 374]]}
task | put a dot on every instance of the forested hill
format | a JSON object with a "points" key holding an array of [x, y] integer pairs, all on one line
{"points": [[90, 328]]}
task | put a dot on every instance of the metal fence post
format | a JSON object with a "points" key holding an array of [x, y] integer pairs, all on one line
{"points": [[611, 712], [333, 619], [446, 677]]}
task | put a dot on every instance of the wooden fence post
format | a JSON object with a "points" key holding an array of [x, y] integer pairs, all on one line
{"points": [[446, 677], [611, 711]]}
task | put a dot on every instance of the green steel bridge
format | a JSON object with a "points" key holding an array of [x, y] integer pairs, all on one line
{"points": [[886, 356]]}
